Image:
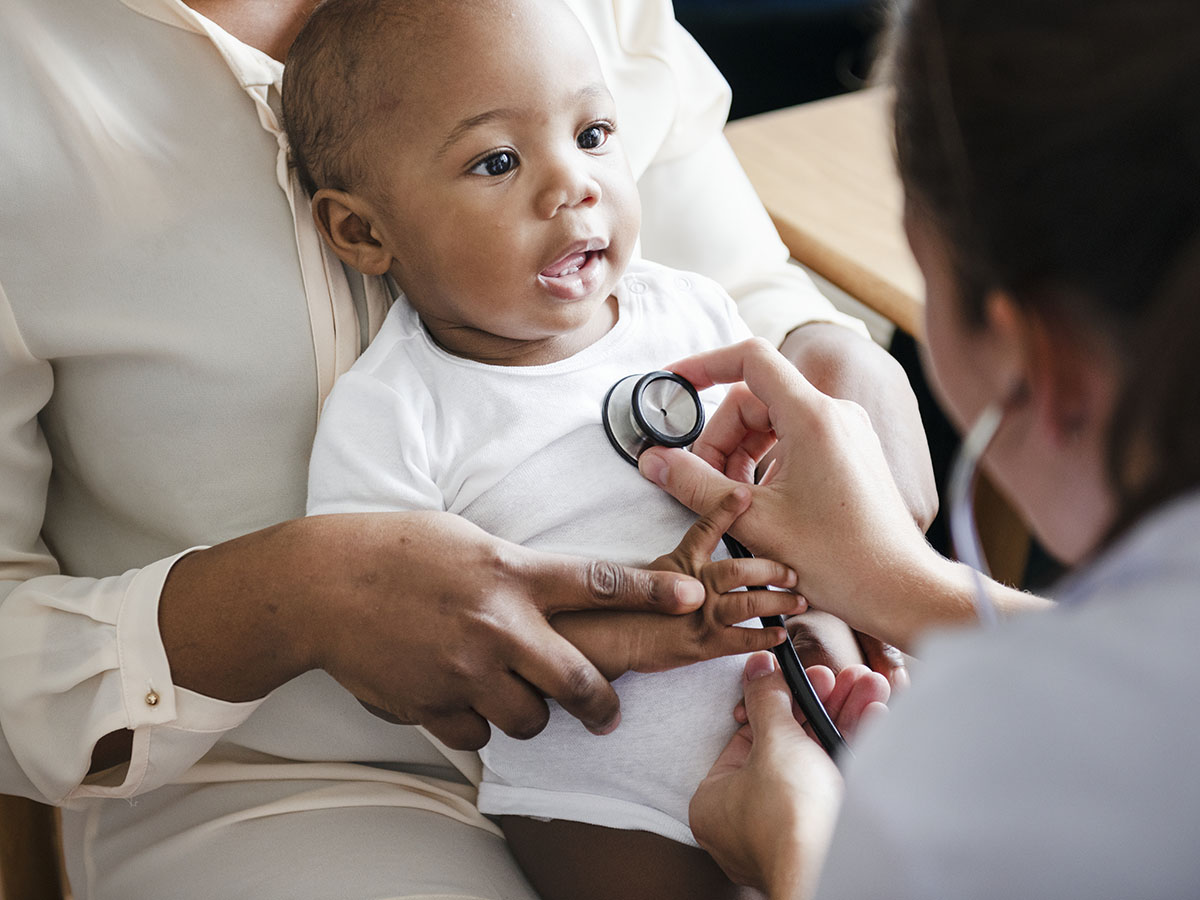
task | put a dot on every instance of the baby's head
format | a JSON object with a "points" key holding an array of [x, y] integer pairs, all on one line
{"points": [[467, 149]]}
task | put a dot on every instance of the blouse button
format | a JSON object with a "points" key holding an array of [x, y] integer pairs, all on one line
{"points": [[637, 286], [152, 699]]}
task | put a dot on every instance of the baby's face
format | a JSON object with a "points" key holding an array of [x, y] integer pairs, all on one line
{"points": [[502, 192]]}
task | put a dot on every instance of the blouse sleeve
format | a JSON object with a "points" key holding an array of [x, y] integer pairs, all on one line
{"points": [[700, 211], [79, 657]]}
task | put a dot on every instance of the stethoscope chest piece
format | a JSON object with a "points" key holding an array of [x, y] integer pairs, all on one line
{"points": [[658, 409]]}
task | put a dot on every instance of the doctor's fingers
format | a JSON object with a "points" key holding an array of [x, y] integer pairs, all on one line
{"points": [[767, 703], [857, 695], [687, 478], [737, 435], [820, 677], [794, 407], [755, 361]]}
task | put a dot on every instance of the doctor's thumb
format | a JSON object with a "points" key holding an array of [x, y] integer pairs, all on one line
{"points": [[767, 698], [686, 477]]}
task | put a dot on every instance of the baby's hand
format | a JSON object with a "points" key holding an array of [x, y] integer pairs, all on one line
{"points": [[645, 642]]}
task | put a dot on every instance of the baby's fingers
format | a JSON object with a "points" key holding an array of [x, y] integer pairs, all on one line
{"points": [[661, 644], [701, 540], [727, 575], [726, 610], [733, 641]]}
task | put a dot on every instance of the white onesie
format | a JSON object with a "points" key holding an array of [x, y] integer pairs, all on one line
{"points": [[521, 452]]}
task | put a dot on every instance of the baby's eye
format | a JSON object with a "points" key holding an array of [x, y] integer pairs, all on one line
{"points": [[497, 164], [593, 137]]}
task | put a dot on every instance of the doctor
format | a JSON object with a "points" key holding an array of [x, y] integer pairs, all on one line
{"points": [[1050, 154]]}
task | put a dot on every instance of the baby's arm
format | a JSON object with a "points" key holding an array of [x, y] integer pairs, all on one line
{"points": [[617, 643]]}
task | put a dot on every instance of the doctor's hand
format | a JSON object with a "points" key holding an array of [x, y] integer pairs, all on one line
{"points": [[829, 506], [766, 810], [617, 643], [842, 363]]}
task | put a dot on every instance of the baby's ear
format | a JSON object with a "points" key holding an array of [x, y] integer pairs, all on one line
{"points": [[345, 225]]}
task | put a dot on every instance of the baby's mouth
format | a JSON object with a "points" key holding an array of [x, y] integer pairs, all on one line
{"points": [[575, 258], [568, 265]]}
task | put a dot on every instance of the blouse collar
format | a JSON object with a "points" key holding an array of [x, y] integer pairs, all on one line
{"points": [[251, 66]]}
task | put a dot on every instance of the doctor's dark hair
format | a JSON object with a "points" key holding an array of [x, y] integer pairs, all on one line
{"points": [[343, 73], [1055, 147]]}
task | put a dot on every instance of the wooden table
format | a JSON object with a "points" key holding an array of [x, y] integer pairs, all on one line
{"points": [[825, 173]]}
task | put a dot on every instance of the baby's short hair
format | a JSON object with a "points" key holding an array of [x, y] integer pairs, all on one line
{"points": [[336, 75]]}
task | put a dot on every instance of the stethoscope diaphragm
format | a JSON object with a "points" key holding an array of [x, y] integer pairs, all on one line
{"points": [[658, 409]]}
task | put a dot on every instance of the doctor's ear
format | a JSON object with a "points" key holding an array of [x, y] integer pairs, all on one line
{"points": [[1051, 361], [345, 225]]}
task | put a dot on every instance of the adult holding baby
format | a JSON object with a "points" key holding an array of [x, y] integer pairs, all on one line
{"points": [[1050, 154], [162, 367]]}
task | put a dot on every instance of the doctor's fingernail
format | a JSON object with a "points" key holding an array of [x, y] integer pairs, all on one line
{"points": [[654, 468], [758, 665]]}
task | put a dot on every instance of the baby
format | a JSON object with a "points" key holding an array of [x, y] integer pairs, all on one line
{"points": [[470, 152]]}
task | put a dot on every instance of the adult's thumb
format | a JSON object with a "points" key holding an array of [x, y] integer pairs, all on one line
{"points": [[768, 700], [686, 477]]}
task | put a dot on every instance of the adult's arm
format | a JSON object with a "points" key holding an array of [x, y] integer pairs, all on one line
{"points": [[830, 510], [88, 679], [419, 614]]}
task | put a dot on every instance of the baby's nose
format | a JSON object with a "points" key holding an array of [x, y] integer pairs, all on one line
{"points": [[568, 186]]}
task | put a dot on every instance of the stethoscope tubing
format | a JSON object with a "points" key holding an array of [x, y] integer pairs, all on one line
{"points": [[630, 433], [803, 693]]}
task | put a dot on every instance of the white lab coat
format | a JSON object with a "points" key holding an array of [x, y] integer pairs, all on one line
{"points": [[1054, 757]]}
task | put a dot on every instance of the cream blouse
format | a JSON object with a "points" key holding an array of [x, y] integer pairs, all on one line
{"points": [[169, 325]]}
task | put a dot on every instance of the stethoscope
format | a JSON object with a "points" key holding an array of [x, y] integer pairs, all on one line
{"points": [[964, 533], [662, 409]]}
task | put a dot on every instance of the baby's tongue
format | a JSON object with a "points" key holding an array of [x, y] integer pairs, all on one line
{"points": [[568, 264]]}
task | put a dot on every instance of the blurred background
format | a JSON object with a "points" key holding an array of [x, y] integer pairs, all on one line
{"points": [[777, 53]]}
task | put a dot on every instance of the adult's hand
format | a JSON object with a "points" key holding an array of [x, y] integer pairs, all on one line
{"points": [[843, 364], [421, 615], [829, 507], [767, 808]]}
